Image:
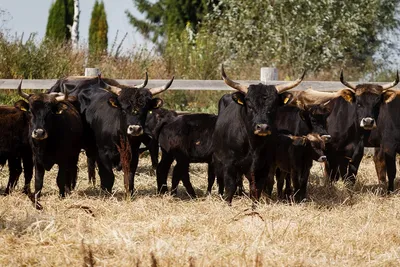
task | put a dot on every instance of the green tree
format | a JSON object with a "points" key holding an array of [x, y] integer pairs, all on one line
{"points": [[311, 34], [166, 17], [98, 30], [61, 14]]}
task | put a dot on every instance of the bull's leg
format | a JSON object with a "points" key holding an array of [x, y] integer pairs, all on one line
{"points": [[73, 172], [280, 178], [288, 186], [380, 167], [39, 174], [230, 184], [186, 180], [303, 182], [220, 176], [91, 165], [269, 181], [153, 150], [28, 170], [162, 172], [105, 172], [15, 169], [390, 161], [62, 180], [295, 176], [211, 177], [133, 166]]}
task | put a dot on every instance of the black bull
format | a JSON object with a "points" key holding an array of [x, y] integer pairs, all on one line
{"points": [[112, 113], [245, 135]]}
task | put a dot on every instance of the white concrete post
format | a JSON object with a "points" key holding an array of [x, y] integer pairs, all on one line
{"points": [[268, 74], [92, 72]]}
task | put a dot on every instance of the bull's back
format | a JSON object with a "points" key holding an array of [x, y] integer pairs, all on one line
{"points": [[14, 129]]}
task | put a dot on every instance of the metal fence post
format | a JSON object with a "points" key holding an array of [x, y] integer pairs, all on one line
{"points": [[92, 71]]}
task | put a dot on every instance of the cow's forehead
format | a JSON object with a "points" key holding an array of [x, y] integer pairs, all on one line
{"points": [[135, 96], [368, 88], [257, 90], [42, 98]]}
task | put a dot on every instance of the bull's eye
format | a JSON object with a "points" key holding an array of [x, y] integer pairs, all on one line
{"points": [[359, 105], [150, 111], [134, 111]]}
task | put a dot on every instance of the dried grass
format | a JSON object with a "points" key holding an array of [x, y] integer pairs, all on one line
{"points": [[338, 226]]}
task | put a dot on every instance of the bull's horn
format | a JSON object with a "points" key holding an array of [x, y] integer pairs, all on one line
{"points": [[63, 96], [287, 86], [347, 84], [392, 84], [24, 95], [142, 85], [157, 90], [235, 85], [106, 86]]}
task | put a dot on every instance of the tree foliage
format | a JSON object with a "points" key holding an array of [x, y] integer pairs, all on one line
{"points": [[311, 34], [166, 17], [61, 14], [98, 30]]}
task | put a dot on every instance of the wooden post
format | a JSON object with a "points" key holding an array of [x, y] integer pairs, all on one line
{"points": [[92, 72], [268, 74]]}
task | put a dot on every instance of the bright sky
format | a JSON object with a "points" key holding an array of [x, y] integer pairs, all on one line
{"points": [[27, 16]]}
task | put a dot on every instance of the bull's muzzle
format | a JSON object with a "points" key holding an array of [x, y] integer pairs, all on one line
{"points": [[262, 130], [322, 159], [135, 130], [39, 134], [368, 123]]}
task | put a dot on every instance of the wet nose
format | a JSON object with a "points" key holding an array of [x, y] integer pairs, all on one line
{"points": [[39, 134], [326, 137], [367, 122], [322, 159], [262, 129], [135, 130]]}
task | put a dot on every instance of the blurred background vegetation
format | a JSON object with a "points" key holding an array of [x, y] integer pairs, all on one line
{"points": [[192, 38]]}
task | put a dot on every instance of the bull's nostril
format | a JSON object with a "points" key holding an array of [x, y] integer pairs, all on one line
{"points": [[258, 127]]}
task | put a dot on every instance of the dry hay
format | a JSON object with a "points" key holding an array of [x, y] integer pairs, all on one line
{"points": [[338, 226]]}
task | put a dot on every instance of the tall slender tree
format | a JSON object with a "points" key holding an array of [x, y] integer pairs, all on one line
{"points": [[98, 29], [166, 17], [60, 15]]}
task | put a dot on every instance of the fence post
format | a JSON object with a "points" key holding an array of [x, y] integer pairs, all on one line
{"points": [[268, 74], [92, 71]]}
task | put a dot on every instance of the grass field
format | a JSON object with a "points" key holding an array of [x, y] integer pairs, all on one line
{"points": [[338, 226]]}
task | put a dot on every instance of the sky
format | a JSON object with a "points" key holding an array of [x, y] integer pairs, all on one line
{"points": [[28, 16]]}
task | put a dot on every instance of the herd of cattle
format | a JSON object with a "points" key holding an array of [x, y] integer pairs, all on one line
{"points": [[261, 132]]}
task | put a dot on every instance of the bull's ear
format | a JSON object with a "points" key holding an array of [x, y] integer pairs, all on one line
{"points": [[113, 102], [238, 98], [21, 105], [61, 107], [298, 140], [156, 103], [347, 95], [286, 98], [389, 96]]}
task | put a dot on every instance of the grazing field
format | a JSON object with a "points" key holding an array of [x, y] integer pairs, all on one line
{"points": [[338, 226]]}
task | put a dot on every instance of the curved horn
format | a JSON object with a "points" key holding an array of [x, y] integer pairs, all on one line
{"points": [[106, 86], [22, 94], [157, 90], [347, 84], [287, 86], [63, 96], [392, 84], [142, 85], [242, 88]]}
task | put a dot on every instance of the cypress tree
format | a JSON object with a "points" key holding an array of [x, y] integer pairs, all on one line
{"points": [[61, 14], [98, 30]]}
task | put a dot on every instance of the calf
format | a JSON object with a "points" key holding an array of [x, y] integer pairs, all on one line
{"points": [[186, 139], [294, 156], [55, 135], [14, 144]]}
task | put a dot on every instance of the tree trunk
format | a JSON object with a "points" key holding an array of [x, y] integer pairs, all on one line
{"points": [[75, 27]]}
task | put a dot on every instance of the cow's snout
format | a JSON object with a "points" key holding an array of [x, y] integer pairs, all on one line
{"points": [[39, 134], [262, 129], [368, 123], [135, 130]]}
